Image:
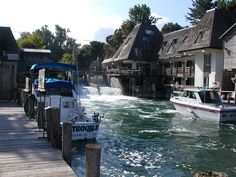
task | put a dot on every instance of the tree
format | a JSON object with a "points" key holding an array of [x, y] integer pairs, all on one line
{"points": [[141, 14], [86, 55], [169, 27], [59, 43], [227, 4], [98, 48], [67, 59], [137, 14], [201, 6], [28, 40], [198, 10]]}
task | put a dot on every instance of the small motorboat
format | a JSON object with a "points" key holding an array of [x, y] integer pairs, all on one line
{"points": [[205, 104], [55, 84]]}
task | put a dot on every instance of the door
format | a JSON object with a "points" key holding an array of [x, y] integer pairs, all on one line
{"points": [[7, 82]]}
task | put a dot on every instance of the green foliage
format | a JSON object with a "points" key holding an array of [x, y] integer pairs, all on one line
{"points": [[59, 43], [141, 14], [29, 40], [227, 4], [137, 14], [67, 59], [87, 54], [201, 6], [169, 27], [198, 10]]}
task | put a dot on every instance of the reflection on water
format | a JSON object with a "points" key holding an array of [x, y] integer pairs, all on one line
{"points": [[149, 138]]}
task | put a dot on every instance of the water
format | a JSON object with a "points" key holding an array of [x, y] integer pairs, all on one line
{"points": [[142, 137]]}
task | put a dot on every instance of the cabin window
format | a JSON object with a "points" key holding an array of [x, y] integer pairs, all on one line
{"points": [[210, 97], [189, 94]]}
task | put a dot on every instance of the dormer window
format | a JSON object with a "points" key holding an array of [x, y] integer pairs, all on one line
{"points": [[149, 32], [163, 47], [185, 37], [200, 37], [172, 46]]}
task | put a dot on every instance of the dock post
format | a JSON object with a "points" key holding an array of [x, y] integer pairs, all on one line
{"points": [[93, 156], [210, 174], [48, 115], [55, 133], [41, 116], [67, 141]]}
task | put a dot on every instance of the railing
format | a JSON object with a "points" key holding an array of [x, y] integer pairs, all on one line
{"points": [[124, 72], [168, 71], [180, 71], [189, 71], [174, 71]]}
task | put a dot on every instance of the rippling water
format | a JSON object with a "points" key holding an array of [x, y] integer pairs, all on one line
{"points": [[142, 137]]}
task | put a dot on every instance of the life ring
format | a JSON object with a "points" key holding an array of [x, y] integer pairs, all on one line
{"points": [[30, 107]]}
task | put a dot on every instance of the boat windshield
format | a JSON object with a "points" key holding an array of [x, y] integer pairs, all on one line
{"points": [[210, 97], [189, 94]]}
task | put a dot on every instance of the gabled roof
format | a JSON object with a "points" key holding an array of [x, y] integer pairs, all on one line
{"points": [[142, 43], [7, 41], [204, 35]]}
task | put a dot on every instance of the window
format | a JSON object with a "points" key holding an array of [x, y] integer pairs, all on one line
{"points": [[189, 94], [149, 32], [207, 63], [185, 38], [200, 37], [163, 46], [145, 38], [137, 52], [172, 46]]}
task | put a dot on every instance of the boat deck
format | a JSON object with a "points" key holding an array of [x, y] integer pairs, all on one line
{"points": [[23, 151]]}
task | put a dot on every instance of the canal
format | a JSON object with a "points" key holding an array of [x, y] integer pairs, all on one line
{"points": [[141, 137]]}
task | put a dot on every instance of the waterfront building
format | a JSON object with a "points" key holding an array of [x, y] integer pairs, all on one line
{"points": [[194, 56], [134, 66], [229, 49], [9, 57]]}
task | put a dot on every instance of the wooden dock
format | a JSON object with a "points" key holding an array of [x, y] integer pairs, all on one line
{"points": [[23, 151]]}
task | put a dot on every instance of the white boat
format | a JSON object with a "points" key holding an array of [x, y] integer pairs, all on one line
{"points": [[55, 85], [205, 104]]}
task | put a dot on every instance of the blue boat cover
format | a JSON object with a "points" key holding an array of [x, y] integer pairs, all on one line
{"points": [[53, 66], [51, 83]]}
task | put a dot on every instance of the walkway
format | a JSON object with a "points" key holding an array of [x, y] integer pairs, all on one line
{"points": [[23, 152]]}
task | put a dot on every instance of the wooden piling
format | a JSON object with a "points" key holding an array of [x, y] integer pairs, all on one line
{"points": [[93, 156], [210, 174], [41, 115], [47, 115], [67, 141], [55, 127]]}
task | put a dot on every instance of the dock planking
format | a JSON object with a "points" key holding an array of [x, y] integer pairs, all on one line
{"points": [[23, 151]]}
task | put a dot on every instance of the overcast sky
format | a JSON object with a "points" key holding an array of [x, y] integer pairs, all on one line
{"points": [[87, 19]]}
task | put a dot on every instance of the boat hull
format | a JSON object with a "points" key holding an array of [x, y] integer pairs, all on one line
{"points": [[221, 115], [85, 130]]}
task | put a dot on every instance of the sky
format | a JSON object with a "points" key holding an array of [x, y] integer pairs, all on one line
{"points": [[88, 20]]}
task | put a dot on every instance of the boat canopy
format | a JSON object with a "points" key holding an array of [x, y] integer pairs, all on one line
{"points": [[55, 84], [52, 66]]}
